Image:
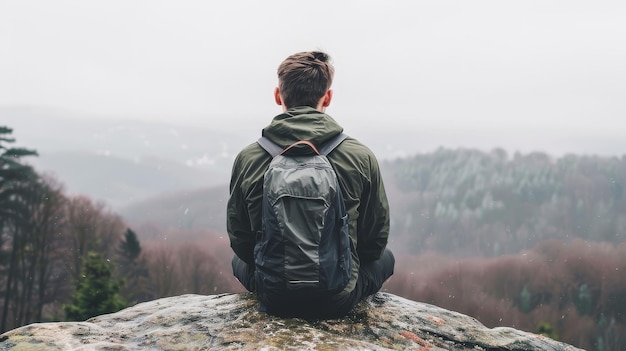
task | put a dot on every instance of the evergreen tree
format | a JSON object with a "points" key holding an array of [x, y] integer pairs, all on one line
{"points": [[133, 269], [130, 248], [12, 173], [16, 184], [96, 292]]}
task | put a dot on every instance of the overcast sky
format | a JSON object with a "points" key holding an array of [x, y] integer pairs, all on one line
{"points": [[530, 75]]}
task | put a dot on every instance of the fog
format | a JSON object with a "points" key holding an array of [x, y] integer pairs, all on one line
{"points": [[532, 75]]}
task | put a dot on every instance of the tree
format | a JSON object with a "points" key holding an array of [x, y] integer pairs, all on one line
{"points": [[96, 293], [16, 183], [163, 268], [36, 255], [11, 171], [130, 249], [133, 269], [198, 272], [12, 174], [91, 228]]}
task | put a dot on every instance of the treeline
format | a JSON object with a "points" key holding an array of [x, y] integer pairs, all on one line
{"points": [[473, 203], [68, 258], [571, 291]]}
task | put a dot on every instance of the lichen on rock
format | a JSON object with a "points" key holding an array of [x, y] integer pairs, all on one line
{"points": [[233, 322]]}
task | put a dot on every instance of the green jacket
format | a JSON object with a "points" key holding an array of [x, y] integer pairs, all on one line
{"points": [[357, 170]]}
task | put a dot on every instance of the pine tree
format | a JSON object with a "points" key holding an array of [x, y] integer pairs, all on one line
{"points": [[130, 248], [96, 292], [12, 173], [16, 183], [133, 269]]}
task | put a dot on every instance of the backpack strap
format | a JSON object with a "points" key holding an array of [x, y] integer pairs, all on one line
{"points": [[274, 149], [271, 147], [332, 144]]}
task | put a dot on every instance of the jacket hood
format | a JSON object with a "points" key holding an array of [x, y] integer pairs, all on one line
{"points": [[301, 123]]}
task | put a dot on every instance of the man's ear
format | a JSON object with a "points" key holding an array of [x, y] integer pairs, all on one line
{"points": [[277, 98], [327, 98]]}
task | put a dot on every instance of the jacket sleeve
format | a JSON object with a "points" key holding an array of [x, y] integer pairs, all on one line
{"points": [[238, 223], [374, 217]]}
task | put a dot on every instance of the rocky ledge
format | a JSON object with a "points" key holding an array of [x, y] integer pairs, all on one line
{"points": [[233, 322]]}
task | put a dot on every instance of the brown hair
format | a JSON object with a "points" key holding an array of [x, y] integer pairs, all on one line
{"points": [[304, 78]]}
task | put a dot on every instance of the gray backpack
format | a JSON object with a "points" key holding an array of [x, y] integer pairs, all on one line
{"points": [[303, 250]]}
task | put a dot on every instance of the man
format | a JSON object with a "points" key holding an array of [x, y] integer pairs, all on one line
{"points": [[304, 81]]}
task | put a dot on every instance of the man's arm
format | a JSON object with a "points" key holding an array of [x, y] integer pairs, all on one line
{"points": [[373, 217], [237, 217]]}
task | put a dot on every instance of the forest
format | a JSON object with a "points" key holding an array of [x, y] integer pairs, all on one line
{"points": [[526, 241]]}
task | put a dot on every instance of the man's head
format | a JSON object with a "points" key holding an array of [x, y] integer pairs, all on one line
{"points": [[304, 79]]}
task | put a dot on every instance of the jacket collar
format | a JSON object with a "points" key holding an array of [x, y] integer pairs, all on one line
{"points": [[301, 123]]}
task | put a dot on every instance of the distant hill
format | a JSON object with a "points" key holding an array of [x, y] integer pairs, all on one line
{"points": [[188, 210], [122, 161], [118, 181], [469, 202]]}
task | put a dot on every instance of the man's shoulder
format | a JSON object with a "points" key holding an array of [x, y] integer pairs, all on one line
{"points": [[355, 147], [250, 156], [252, 150], [354, 156]]}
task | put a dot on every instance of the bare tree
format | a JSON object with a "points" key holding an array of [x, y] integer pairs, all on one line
{"points": [[197, 269], [32, 234], [163, 270], [91, 228]]}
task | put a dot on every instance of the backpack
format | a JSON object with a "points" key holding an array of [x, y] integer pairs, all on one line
{"points": [[303, 249]]}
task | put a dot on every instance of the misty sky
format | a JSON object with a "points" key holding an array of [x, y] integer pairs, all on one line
{"points": [[528, 75]]}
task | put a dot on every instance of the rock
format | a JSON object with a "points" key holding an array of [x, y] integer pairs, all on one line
{"points": [[233, 322]]}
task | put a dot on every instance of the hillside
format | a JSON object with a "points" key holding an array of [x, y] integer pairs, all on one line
{"points": [[195, 209], [119, 181], [468, 202], [122, 161]]}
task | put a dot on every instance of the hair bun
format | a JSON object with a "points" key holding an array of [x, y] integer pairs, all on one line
{"points": [[322, 56]]}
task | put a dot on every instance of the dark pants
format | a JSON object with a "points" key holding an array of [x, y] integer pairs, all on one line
{"points": [[372, 275]]}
